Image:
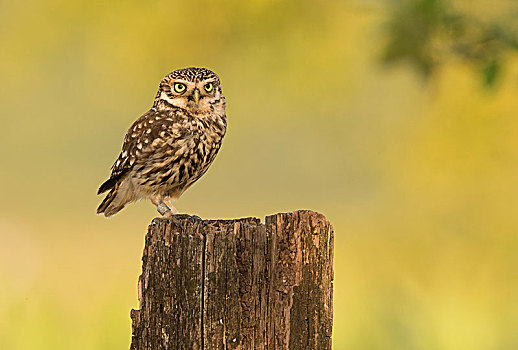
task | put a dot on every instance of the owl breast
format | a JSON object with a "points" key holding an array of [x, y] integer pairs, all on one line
{"points": [[180, 154]]}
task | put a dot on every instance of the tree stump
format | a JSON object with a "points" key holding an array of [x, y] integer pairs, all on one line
{"points": [[236, 284]]}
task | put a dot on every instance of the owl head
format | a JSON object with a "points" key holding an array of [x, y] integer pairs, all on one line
{"points": [[196, 90]]}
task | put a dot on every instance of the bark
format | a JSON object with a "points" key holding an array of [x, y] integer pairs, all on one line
{"points": [[236, 284]]}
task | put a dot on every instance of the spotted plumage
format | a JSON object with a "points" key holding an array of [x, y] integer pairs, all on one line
{"points": [[171, 146]]}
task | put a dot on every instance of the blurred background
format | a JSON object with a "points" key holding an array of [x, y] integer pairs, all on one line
{"points": [[396, 119]]}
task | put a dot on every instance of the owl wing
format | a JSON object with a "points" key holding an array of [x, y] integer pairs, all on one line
{"points": [[130, 151]]}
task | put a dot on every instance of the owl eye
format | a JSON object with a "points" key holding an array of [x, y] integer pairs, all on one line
{"points": [[208, 87], [179, 87]]}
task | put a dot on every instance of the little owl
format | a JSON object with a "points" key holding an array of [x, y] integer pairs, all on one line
{"points": [[171, 146]]}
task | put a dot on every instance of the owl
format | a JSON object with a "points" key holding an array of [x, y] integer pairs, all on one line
{"points": [[171, 146]]}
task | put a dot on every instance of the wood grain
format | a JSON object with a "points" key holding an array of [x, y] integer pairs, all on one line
{"points": [[236, 284]]}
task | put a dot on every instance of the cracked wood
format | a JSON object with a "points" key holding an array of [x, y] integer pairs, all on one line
{"points": [[236, 284]]}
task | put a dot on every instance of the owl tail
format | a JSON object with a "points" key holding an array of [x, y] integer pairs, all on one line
{"points": [[109, 205]]}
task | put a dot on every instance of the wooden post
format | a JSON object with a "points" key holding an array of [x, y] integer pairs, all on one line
{"points": [[236, 284]]}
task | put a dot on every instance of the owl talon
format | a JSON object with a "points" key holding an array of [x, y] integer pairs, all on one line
{"points": [[196, 218], [177, 223]]}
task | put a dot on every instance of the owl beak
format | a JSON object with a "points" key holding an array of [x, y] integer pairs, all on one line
{"points": [[196, 96]]}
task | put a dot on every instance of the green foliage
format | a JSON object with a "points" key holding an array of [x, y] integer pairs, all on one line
{"points": [[431, 33]]}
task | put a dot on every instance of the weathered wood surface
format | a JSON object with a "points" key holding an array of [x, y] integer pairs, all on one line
{"points": [[236, 284]]}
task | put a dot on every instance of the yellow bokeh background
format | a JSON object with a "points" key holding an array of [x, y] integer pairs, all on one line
{"points": [[419, 178]]}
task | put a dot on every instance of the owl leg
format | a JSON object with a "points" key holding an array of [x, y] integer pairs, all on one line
{"points": [[164, 206], [163, 209], [167, 201], [166, 209]]}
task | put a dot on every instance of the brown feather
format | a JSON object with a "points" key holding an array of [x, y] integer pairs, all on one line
{"points": [[172, 145]]}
